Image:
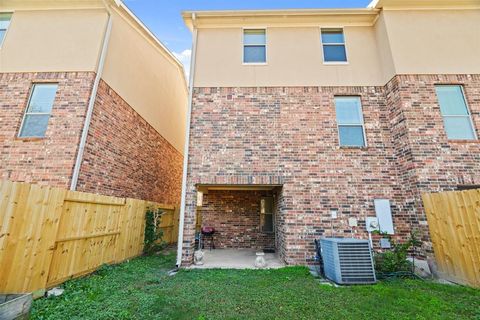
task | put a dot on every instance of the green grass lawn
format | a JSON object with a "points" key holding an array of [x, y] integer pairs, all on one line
{"points": [[141, 289]]}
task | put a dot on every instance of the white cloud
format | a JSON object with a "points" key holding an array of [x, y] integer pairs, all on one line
{"points": [[185, 57]]}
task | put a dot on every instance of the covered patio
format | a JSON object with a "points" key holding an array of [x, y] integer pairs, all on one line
{"points": [[244, 220]]}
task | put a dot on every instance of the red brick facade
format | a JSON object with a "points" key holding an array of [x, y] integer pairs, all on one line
{"points": [[288, 136], [126, 157], [426, 160], [235, 215], [49, 160]]}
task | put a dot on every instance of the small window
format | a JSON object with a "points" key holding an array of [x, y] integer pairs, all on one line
{"points": [[39, 107], [266, 214], [254, 46], [351, 130], [4, 23], [333, 43], [456, 117]]}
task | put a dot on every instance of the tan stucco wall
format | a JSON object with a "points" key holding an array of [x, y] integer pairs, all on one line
{"points": [[147, 80], [434, 41], [294, 57], [384, 50], [445, 41], [54, 40]]}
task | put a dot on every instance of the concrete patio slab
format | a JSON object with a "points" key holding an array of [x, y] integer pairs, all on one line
{"points": [[236, 259]]}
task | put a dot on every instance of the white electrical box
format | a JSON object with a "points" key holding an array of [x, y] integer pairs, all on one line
{"points": [[352, 222], [384, 215]]}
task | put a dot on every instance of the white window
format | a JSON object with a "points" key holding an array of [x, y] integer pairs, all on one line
{"points": [[254, 46], [4, 23], [333, 43], [456, 117], [38, 111], [351, 130], [266, 214]]}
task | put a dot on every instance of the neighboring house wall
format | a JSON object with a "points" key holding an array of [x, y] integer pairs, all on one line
{"points": [[56, 40], [47, 160], [137, 131], [126, 157], [134, 146], [147, 78]]}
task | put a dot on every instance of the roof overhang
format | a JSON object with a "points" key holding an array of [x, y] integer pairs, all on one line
{"points": [[12, 5], [424, 4], [280, 18]]}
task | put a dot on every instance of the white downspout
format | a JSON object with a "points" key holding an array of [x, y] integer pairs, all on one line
{"points": [[91, 103], [186, 147]]}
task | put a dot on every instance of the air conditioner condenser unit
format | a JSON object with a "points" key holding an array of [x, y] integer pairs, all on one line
{"points": [[348, 261]]}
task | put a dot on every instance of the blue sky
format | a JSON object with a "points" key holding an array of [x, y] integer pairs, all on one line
{"points": [[163, 17]]}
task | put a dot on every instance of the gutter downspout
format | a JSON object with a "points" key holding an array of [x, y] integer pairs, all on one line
{"points": [[187, 145], [91, 103]]}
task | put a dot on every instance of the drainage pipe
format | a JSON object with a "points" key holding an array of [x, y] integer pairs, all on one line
{"points": [[186, 146], [91, 103]]}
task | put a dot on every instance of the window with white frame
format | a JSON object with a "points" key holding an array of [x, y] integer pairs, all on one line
{"points": [[254, 46], [351, 129], [456, 116], [38, 111], [266, 214], [333, 43], [4, 23]]}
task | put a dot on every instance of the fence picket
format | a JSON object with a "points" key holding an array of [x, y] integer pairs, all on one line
{"points": [[454, 222], [49, 235]]}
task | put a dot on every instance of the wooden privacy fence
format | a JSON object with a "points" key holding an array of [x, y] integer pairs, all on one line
{"points": [[169, 221], [49, 235], [454, 222]]}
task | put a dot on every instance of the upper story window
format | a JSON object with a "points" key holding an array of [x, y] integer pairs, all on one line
{"points": [[351, 130], [38, 111], [456, 116], [4, 23], [254, 46], [333, 43]]}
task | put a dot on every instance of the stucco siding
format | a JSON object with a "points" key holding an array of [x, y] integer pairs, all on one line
{"points": [[147, 80], [53, 41], [442, 41], [433, 42], [294, 58]]}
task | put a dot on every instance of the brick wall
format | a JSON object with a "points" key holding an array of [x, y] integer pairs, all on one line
{"points": [[235, 215], [288, 135], [48, 160], [126, 157], [427, 160]]}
